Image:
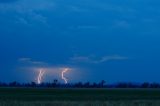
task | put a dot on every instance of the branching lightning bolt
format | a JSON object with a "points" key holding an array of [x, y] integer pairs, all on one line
{"points": [[62, 75], [40, 75]]}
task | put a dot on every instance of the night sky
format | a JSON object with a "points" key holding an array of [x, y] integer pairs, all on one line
{"points": [[112, 40]]}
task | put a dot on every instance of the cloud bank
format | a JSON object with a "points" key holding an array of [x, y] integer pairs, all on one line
{"points": [[90, 59], [29, 61]]}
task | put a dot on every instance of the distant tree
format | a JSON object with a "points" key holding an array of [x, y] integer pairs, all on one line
{"points": [[121, 85], [13, 84], [87, 85], [55, 82], [145, 85], [33, 84], [132, 85], [78, 85], [154, 85], [95, 85], [102, 83], [2, 84]]}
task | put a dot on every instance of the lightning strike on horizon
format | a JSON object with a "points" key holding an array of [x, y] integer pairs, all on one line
{"points": [[62, 75], [40, 75]]}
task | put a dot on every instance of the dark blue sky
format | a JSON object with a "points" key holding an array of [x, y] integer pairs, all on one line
{"points": [[114, 40]]}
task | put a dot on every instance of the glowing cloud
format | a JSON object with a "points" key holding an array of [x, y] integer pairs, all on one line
{"points": [[62, 75], [40, 76], [90, 59]]}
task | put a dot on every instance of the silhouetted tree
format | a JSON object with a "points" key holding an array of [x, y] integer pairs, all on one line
{"points": [[102, 83], [121, 85], [95, 85], [14, 84], [33, 84], [145, 85], [87, 85], [78, 85], [154, 85]]}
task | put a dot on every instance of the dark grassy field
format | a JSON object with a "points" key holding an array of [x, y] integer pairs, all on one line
{"points": [[85, 97], [32, 94]]}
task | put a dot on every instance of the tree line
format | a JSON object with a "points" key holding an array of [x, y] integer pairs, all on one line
{"points": [[101, 84]]}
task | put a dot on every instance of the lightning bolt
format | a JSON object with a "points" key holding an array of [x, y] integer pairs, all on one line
{"points": [[40, 76], [62, 75]]}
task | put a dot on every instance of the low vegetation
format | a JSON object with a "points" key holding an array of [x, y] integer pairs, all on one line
{"points": [[78, 97], [82, 103]]}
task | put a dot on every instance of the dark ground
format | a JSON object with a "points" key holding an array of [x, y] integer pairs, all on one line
{"points": [[43, 94]]}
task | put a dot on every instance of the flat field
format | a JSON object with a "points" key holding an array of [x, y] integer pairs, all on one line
{"points": [[79, 97]]}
